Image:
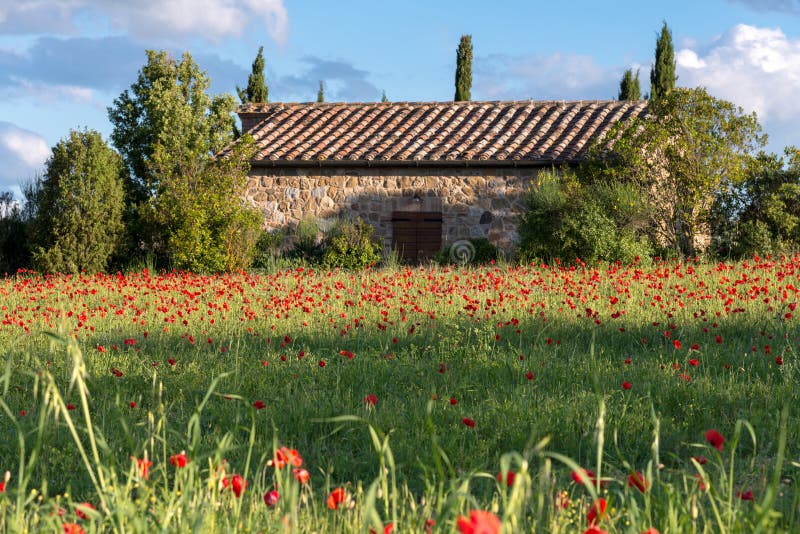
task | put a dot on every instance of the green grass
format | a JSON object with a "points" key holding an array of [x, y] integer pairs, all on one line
{"points": [[418, 337]]}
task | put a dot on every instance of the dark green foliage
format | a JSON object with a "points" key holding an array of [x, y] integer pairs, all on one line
{"points": [[15, 250], [762, 214], [384, 98], [688, 149], [306, 241], [78, 220], [321, 93], [267, 249], [256, 90], [570, 219], [349, 245], [629, 86], [464, 69], [662, 75]]}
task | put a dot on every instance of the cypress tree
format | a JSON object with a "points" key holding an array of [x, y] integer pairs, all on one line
{"points": [[662, 75], [321, 93], [464, 69], [629, 86], [256, 90], [384, 98]]}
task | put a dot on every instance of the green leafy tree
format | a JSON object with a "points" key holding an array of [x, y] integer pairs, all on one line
{"points": [[168, 108], [690, 147], [662, 75], [140, 120], [762, 214], [321, 93], [464, 69], [78, 220], [202, 219], [256, 90], [629, 86]]}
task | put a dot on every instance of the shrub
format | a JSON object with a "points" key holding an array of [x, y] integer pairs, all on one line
{"points": [[568, 219], [267, 249], [306, 241], [349, 245], [199, 220]]}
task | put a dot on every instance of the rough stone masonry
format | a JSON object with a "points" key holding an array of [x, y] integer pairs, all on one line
{"points": [[474, 201]]}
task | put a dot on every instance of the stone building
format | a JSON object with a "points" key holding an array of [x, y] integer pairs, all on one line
{"points": [[424, 174]]}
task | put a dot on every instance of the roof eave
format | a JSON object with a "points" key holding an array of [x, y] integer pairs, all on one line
{"points": [[412, 163]]}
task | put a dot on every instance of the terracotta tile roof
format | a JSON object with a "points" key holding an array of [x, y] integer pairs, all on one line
{"points": [[433, 132]]}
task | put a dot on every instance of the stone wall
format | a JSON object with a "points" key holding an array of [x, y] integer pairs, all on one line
{"points": [[474, 202]]}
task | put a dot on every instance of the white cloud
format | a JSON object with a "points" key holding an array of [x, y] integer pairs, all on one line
{"points": [[540, 77], [23, 154], [757, 69], [150, 19]]}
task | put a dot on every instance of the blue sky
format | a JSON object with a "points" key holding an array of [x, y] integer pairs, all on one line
{"points": [[62, 62]]}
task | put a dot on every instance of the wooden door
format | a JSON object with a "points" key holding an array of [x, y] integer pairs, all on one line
{"points": [[417, 235]]}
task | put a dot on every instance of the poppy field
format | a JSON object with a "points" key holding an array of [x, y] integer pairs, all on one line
{"points": [[513, 398]]}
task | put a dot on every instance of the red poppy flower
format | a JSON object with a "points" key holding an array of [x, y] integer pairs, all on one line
{"points": [[637, 480], [453, 401], [479, 522], [469, 422], [271, 498], [337, 497], [702, 460], [171, 362], [597, 511], [301, 475], [779, 360], [651, 530], [178, 460], [371, 400], [238, 485], [562, 500], [578, 476], [70, 407], [529, 375], [510, 476], [676, 343], [700, 481], [626, 385], [715, 439], [80, 510], [284, 456], [595, 530], [72, 528], [259, 405], [745, 496], [143, 465], [694, 362], [322, 363], [132, 404]]}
